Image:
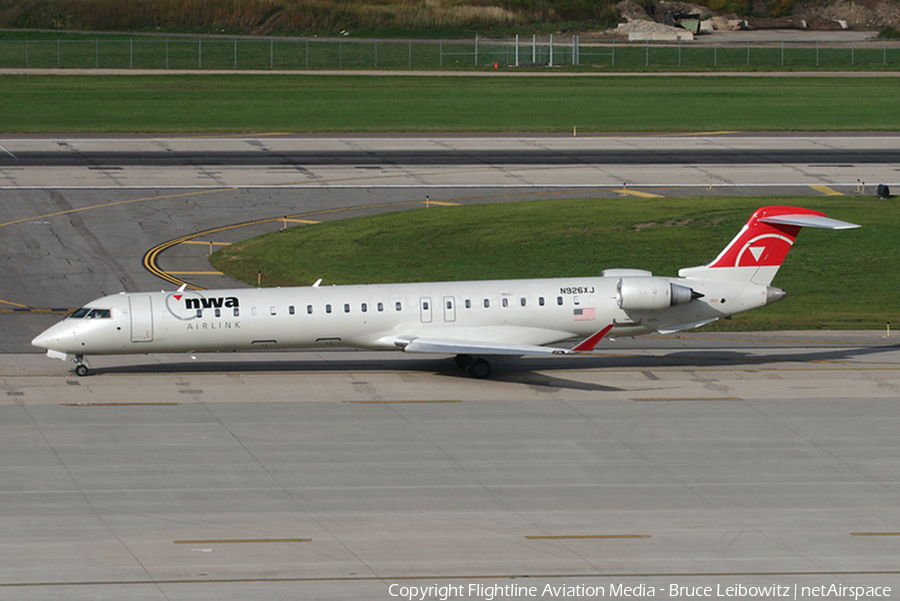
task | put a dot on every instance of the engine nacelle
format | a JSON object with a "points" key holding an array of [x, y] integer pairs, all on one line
{"points": [[651, 294]]}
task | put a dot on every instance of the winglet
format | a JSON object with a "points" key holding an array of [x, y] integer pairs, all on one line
{"points": [[589, 343]]}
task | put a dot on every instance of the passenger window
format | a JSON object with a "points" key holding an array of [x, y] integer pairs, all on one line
{"points": [[541, 301], [237, 312], [272, 311], [559, 300], [291, 310], [468, 304], [487, 303], [309, 309], [328, 308], [346, 308], [576, 300], [380, 307], [199, 313], [218, 312], [425, 305], [522, 301], [398, 306], [253, 312], [364, 307], [505, 302]]}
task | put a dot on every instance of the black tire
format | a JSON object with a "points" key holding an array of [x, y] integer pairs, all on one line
{"points": [[480, 369], [81, 370]]}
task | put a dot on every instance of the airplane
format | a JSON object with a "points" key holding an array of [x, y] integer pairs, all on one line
{"points": [[473, 320]]}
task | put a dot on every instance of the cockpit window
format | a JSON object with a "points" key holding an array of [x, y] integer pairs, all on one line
{"points": [[80, 313]]}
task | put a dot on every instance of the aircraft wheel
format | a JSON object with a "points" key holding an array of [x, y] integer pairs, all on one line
{"points": [[480, 369], [82, 370]]}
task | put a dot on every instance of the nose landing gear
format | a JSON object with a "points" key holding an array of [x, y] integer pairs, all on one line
{"points": [[81, 367]]}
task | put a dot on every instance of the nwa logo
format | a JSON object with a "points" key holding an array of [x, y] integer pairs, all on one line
{"points": [[184, 305]]}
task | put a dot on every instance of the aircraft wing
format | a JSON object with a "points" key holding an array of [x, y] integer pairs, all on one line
{"points": [[426, 344]]}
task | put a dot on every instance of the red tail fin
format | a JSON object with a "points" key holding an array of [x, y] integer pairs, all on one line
{"points": [[758, 250]]}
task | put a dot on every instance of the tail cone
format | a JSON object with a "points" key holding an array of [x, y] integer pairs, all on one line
{"points": [[773, 294]]}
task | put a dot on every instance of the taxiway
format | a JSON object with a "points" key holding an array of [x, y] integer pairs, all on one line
{"points": [[693, 460]]}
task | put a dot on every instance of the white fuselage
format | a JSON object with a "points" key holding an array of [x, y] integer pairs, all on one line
{"points": [[468, 319], [389, 316]]}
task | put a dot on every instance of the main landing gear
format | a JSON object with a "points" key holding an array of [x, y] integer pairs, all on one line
{"points": [[476, 366], [81, 367]]}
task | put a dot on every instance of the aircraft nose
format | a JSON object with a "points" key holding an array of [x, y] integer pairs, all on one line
{"points": [[42, 340], [51, 338]]}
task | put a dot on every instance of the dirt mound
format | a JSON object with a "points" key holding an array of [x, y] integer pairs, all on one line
{"points": [[856, 14], [842, 14]]}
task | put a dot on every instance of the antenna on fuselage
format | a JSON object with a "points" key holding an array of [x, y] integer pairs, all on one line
{"points": [[316, 285]]}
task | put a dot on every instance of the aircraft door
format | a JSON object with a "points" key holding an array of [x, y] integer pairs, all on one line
{"points": [[449, 308], [141, 318], [425, 309]]}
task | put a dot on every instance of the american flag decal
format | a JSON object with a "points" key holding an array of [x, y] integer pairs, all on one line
{"points": [[585, 314]]}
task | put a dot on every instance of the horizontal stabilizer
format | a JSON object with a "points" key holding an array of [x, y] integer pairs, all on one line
{"points": [[809, 221]]}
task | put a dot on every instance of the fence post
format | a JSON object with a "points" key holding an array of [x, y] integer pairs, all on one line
{"points": [[517, 50], [235, 53], [441, 51], [852, 53], [57, 53], [199, 54], [96, 53], [782, 53], [26, 54], [476, 49], [410, 53], [748, 53], [647, 53], [534, 48], [376, 54], [715, 55], [130, 53], [271, 54]]}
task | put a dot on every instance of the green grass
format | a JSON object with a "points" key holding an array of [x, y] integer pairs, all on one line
{"points": [[51, 50], [834, 279], [288, 103]]}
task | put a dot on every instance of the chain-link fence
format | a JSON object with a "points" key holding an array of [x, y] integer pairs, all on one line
{"points": [[533, 51]]}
